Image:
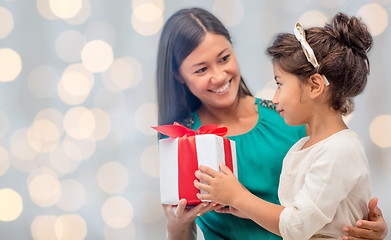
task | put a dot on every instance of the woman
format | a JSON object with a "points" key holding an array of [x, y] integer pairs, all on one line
{"points": [[199, 82]]}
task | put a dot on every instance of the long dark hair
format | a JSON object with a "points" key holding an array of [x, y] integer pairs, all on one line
{"points": [[182, 33], [341, 49]]}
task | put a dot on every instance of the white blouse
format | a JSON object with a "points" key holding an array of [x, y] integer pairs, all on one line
{"points": [[324, 187]]}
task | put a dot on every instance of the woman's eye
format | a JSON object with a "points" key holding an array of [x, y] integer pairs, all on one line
{"points": [[225, 58], [201, 70]]}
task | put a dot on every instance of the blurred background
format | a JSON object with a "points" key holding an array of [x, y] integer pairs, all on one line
{"points": [[78, 159]]}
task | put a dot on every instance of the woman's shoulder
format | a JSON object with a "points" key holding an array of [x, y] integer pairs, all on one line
{"points": [[191, 121], [266, 104]]}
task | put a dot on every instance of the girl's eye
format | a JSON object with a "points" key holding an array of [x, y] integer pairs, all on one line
{"points": [[201, 70], [225, 58], [278, 84]]}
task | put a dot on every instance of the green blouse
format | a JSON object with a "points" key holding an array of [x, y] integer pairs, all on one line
{"points": [[259, 158]]}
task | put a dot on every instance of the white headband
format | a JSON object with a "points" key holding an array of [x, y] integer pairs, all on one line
{"points": [[308, 52]]}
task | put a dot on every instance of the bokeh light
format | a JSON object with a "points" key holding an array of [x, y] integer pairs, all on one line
{"points": [[268, 91], [72, 195], [83, 14], [20, 146], [7, 22], [97, 56], [79, 122], [75, 84], [375, 17], [112, 177], [11, 205], [42, 227], [4, 160], [124, 73], [61, 162], [70, 226], [10, 65], [79, 149], [43, 135], [117, 212], [44, 189], [233, 7], [102, 124], [146, 117], [313, 18], [43, 7], [150, 161], [380, 131], [147, 18], [65, 9]]}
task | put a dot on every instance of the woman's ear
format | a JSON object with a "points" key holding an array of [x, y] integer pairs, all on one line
{"points": [[317, 85], [178, 77]]}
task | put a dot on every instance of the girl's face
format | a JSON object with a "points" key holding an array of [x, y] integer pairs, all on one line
{"points": [[211, 72], [291, 97]]}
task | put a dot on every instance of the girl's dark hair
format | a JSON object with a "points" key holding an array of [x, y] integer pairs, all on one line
{"points": [[182, 33], [341, 50]]}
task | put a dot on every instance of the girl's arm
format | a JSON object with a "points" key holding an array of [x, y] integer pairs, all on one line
{"points": [[224, 188]]}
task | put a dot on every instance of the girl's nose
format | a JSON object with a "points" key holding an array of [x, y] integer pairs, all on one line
{"points": [[275, 97]]}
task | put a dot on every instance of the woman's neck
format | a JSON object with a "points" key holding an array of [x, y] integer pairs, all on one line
{"points": [[239, 118]]}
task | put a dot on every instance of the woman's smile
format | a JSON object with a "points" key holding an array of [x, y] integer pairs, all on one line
{"points": [[224, 89]]}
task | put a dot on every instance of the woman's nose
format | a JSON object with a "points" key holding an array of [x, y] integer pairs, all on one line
{"points": [[218, 75]]}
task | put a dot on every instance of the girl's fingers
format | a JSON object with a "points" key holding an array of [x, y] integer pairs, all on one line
{"points": [[203, 177], [210, 171], [225, 169]]}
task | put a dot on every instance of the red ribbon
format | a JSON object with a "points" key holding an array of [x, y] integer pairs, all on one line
{"points": [[187, 155]]}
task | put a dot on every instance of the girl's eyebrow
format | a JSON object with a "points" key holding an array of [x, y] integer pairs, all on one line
{"points": [[218, 55]]}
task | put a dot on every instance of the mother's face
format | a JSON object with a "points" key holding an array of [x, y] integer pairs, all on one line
{"points": [[211, 72]]}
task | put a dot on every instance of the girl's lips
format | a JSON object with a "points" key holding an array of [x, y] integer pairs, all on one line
{"points": [[225, 88]]}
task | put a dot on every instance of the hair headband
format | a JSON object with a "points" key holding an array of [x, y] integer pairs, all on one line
{"points": [[308, 52]]}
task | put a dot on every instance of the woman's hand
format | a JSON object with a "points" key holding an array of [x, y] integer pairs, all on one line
{"points": [[180, 220], [375, 228]]}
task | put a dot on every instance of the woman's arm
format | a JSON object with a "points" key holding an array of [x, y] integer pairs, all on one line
{"points": [[375, 228], [181, 220]]}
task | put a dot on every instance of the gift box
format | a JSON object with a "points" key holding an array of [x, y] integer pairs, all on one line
{"points": [[182, 153]]}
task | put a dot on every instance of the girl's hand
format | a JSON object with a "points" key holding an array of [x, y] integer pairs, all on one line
{"points": [[222, 188], [180, 220], [232, 210], [374, 228]]}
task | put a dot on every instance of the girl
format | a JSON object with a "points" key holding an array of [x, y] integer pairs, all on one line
{"points": [[199, 81], [324, 182]]}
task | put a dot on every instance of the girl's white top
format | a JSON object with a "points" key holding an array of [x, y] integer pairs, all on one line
{"points": [[324, 187]]}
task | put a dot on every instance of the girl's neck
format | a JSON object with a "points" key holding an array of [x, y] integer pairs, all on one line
{"points": [[323, 126]]}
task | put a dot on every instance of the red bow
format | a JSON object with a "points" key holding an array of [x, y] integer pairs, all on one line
{"points": [[178, 130]]}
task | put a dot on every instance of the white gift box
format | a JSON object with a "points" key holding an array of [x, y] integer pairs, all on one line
{"points": [[210, 151]]}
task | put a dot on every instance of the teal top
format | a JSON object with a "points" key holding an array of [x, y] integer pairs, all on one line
{"points": [[259, 158]]}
